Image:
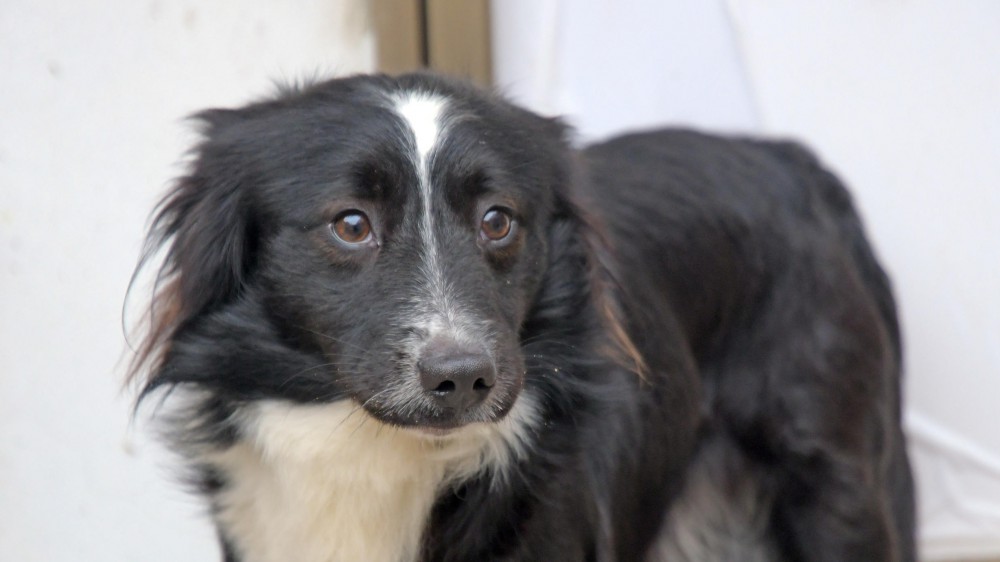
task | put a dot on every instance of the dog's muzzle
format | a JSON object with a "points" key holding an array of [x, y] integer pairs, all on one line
{"points": [[456, 376]]}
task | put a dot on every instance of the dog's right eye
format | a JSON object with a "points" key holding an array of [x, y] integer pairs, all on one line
{"points": [[352, 227], [496, 225]]}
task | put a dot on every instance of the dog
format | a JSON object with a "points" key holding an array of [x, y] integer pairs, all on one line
{"points": [[401, 319]]}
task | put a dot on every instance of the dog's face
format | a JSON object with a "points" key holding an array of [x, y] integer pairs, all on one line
{"points": [[395, 228]]}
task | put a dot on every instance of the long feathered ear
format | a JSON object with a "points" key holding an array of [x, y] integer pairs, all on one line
{"points": [[204, 226], [606, 289], [573, 202]]}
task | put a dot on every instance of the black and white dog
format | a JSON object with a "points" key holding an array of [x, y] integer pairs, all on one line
{"points": [[401, 319]]}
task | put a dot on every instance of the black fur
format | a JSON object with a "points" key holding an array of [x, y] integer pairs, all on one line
{"points": [[757, 331]]}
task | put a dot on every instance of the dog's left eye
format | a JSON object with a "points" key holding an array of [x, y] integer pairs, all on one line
{"points": [[352, 227], [496, 224]]}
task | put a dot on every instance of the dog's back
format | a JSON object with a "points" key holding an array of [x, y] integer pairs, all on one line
{"points": [[756, 255]]}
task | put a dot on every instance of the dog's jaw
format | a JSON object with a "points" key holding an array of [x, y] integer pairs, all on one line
{"points": [[318, 483]]}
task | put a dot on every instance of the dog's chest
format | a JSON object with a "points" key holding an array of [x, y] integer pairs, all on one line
{"points": [[328, 483]]}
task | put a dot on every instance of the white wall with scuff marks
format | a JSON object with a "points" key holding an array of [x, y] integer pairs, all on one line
{"points": [[92, 103], [902, 99]]}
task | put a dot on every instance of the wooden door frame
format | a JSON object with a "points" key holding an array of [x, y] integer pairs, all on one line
{"points": [[449, 36]]}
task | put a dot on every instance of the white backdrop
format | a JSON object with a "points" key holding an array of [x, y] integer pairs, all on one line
{"points": [[902, 99], [91, 105]]}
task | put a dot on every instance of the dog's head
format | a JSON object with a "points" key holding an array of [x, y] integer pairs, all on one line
{"points": [[371, 238]]}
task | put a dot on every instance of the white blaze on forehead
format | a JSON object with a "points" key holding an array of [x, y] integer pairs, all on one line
{"points": [[424, 115]]}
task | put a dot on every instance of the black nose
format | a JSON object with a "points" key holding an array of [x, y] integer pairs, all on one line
{"points": [[454, 375]]}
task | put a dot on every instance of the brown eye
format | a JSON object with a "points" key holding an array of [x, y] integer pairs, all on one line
{"points": [[496, 224], [352, 227]]}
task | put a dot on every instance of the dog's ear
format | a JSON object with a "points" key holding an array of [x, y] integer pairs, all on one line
{"points": [[206, 220], [574, 202], [204, 227]]}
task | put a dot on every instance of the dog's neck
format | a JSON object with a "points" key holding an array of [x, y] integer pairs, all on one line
{"points": [[328, 482]]}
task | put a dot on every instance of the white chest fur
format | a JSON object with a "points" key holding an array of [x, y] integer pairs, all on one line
{"points": [[328, 482]]}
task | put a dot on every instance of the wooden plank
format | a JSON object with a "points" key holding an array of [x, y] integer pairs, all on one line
{"points": [[458, 38], [399, 35]]}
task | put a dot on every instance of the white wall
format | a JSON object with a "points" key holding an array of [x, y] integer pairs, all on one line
{"points": [[91, 105], [610, 66], [902, 99]]}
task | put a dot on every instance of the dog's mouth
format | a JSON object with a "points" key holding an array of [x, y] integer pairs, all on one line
{"points": [[434, 432]]}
